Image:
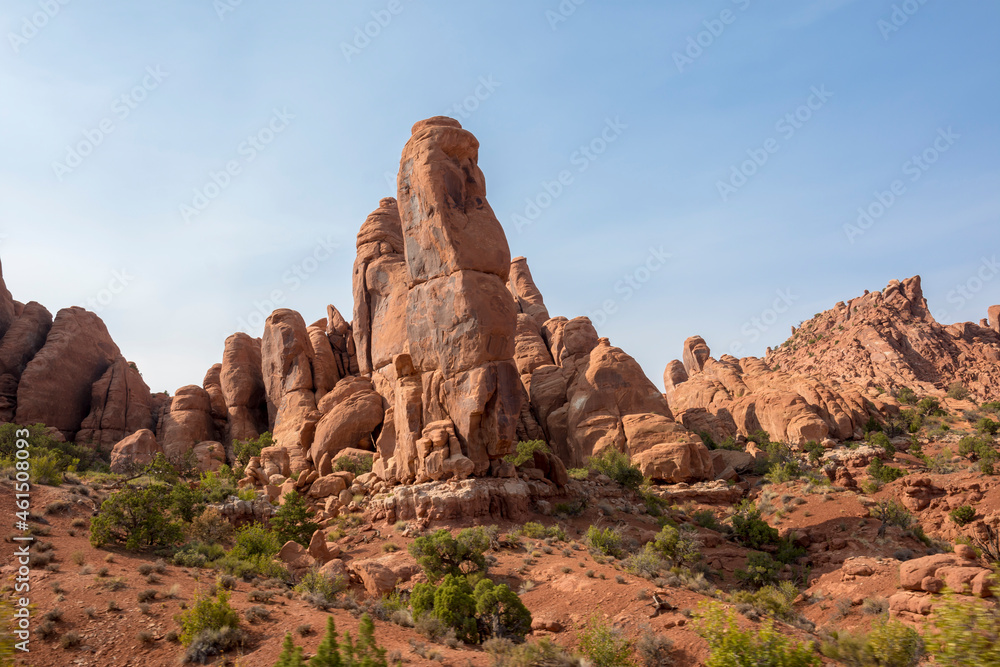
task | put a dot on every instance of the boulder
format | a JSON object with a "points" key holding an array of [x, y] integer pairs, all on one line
{"points": [[135, 450], [381, 575], [187, 423], [352, 411], [675, 462], [209, 456]]}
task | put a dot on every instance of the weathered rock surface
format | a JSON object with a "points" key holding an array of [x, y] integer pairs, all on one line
{"points": [[135, 450], [351, 413], [889, 339], [741, 396], [440, 350], [242, 383], [55, 387], [187, 422], [21, 342], [120, 404]]}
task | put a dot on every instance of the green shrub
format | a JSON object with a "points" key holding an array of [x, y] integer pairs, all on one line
{"points": [[525, 451], [880, 439], [199, 554], [579, 474], [906, 396], [543, 653], [440, 554], [320, 590], [246, 449], [500, 612], [761, 437], [208, 612], [962, 515], [991, 406], [674, 547], [293, 520], [356, 466], [706, 519], [884, 474], [781, 472], [50, 459], [137, 519], [891, 513], [987, 426], [966, 634], [957, 390], [608, 541], [254, 539], [618, 467], [452, 603], [788, 552], [749, 529], [888, 644], [930, 407], [732, 647], [761, 570], [604, 645], [771, 600]]}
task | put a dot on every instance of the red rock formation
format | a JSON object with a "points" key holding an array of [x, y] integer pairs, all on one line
{"points": [[741, 396], [55, 388], [450, 356], [7, 311], [120, 404], [242, 384], [22, 341], [889, 339], [586, 395], [287, 367], [136, 449], [187, 423]]}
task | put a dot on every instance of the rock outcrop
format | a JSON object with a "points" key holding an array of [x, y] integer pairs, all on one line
{"points": [[55, 387], [242, 382], [186, 423], [586, 395], [889, 339], [728, 397], [120, 404], [19, 345], [434, 321]]}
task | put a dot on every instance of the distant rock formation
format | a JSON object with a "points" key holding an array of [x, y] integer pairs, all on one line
{"points": [[729, 397], [889, 339]]}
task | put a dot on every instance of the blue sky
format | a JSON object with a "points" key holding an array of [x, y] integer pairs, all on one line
{"points": [[644, 110]]}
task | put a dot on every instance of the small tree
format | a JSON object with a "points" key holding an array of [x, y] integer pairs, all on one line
{"points": [[618, 467], [500, 612], [732, 647], [452, 603], [246, 449], [293, 520], [440, 554], [291, 655], [136, 518], [749, 529]]}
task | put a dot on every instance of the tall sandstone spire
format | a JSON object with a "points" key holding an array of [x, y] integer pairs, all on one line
{"points": [[435, 324]]}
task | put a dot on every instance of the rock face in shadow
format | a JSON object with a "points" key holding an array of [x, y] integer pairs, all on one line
{"points": [[55, 387]]}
